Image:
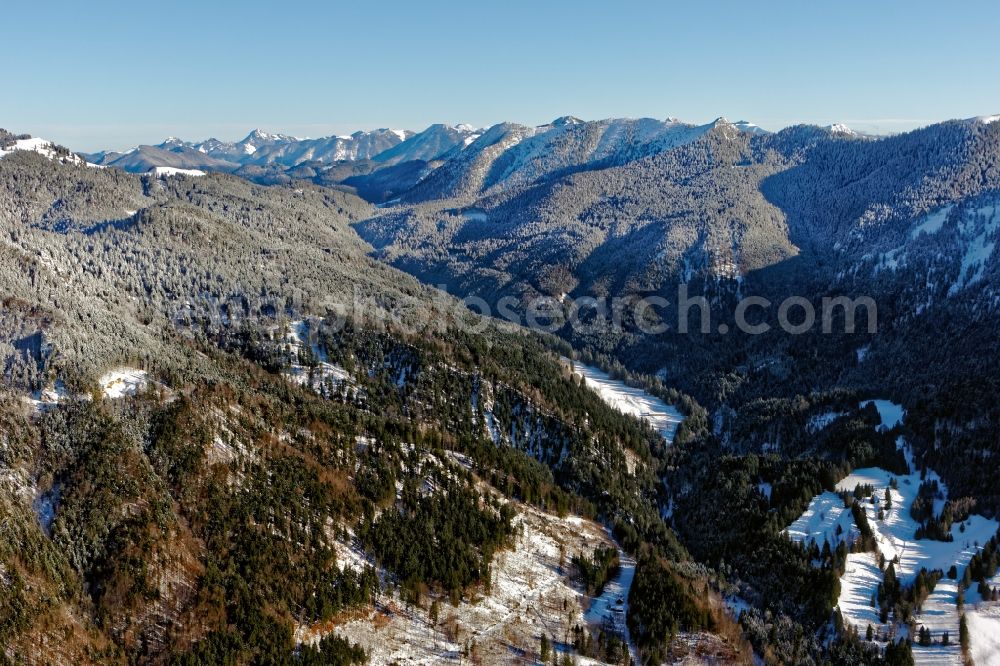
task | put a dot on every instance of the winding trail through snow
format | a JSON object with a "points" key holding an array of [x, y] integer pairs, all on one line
{"points": [[607, 604], [665, 419]]}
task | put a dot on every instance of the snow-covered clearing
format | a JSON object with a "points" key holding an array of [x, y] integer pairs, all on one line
{"points": [[121, 382], [820, 522], [629, 400], [48, 397], [116, 383], [165, 171], [932, 223], [44, 148], [860, 580], [983, 621], [940, 614], [890, 413], [984, 223], [895, 539], [819, 421]]}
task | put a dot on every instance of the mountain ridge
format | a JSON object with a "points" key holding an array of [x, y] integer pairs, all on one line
{"points": [[390, 146]]}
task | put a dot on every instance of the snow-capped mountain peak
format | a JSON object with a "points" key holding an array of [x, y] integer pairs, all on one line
{"points": [[432, 143], [563, 121], [743, 126], [749, 127], [258, 138], [839, 128], [260, 135]]}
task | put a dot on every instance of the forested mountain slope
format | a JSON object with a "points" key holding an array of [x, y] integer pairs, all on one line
{"points": [[206, 379], [202, 512], [906, 220], [910, 221]]}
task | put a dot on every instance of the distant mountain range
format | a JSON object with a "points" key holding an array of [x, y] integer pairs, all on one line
{"points": [[384, 163], [261, 148]]}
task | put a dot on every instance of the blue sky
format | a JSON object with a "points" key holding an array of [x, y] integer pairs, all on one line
{"points": [[112, 74]]}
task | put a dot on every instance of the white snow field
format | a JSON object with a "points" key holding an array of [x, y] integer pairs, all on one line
{"points": [[932, 223], [121, 382], [983, 621], [44, 148], [114, 384], [820, 522], [629, 400], [891, 413], [894, 535], [164, 172], [52, 395], [983, 222]]}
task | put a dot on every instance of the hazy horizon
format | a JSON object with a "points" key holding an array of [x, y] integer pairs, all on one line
{"points": [[114, 75], [883, 127]]}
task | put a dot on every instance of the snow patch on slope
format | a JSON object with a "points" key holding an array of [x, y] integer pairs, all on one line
{"points": [[530, 584], [818, 422], [890, 413], [932, 223], [978, 250], [611, 608], [634, 401], [165, 171], [123, 382], [826, 519], [44, 148], [45, 506], [894, 536], [840, 128], [984, 632], [298, 337], [52, 395]]}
